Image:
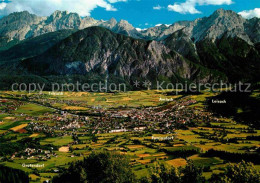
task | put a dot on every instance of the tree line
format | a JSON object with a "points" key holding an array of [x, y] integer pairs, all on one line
{"points": [[101, 167]]}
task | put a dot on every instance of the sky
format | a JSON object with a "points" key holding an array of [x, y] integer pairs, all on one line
{"points": [[141, 13]]}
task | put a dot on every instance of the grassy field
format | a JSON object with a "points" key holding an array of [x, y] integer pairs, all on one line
{"points": [[139, 146], [33, 109], [130, 99], [58, 141], [10, 125]]}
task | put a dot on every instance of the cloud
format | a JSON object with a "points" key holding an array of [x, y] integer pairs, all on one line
{"points": [[250, 13], [2, 6], [158, 25], [46, 7], [189, 6], [139, 29], [158, 7], [184, 8]]}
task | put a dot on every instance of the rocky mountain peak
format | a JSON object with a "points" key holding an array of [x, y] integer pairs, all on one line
{"points": [[125, 24], [219, 23], [16, 25], [226, 14], [22, 17], [124, 27], [21, 13], [59, 13], [110, 24], [222, 12], [87, 22], [112, 21]]}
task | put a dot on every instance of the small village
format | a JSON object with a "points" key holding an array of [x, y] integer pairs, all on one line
{"points": [[46, 130]]}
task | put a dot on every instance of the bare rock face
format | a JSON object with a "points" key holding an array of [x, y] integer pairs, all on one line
{"points": [[176, 27], [252, 28], [24, 25], [110, 24], [221, 22], [88, 22], [153, 32], [17, 25], [124, 27], [57, 21]]}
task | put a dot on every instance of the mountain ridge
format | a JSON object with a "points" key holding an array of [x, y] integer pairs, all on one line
{"points": [[211, 27], [223, 46], [101, 51]]}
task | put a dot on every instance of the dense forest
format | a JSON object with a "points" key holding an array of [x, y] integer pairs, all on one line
{"points": [[10, 175]]}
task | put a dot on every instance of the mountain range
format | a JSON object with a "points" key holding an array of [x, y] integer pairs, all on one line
{"points": [[223, 46]]}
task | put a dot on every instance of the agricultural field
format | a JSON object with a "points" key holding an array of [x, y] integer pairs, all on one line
{"points": [[147, 126]]}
